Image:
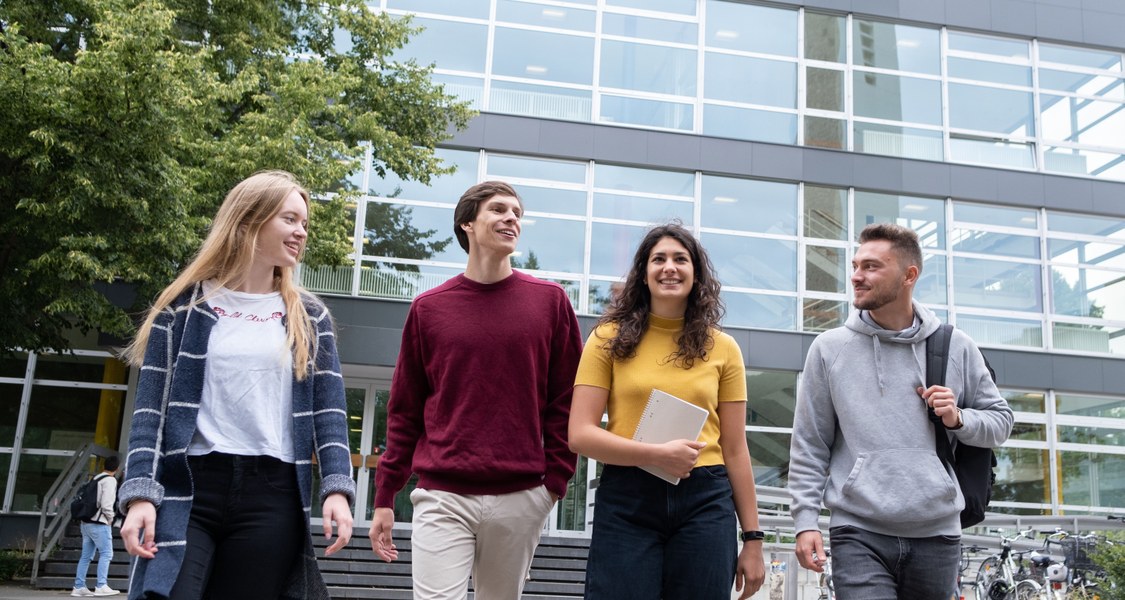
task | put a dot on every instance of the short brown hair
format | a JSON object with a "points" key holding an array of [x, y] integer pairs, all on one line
{"points": [[904, 241], [469, 205]]}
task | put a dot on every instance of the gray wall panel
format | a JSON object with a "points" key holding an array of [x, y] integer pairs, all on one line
{"points": [[720, 155], [1067, 193], [1018, 188], [1016, 17], [924, 178], [972, 14], [830, 168], [879, 173], [781, 162], [566, 139], [977, 183], [1076, 373], [618, 144], [1104, 28], [1111, 6], [925, 11], [887, 8], [1058, 22], [512, 135], [673, 150]]}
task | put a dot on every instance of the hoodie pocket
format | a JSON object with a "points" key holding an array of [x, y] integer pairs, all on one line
{"points": [[898, 486]]}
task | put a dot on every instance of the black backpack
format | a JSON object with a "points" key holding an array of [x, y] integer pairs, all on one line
{"points": [[84, 507], [972, 465]]}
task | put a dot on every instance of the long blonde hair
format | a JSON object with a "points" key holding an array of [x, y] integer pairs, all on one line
{"points": [[228, 253]]}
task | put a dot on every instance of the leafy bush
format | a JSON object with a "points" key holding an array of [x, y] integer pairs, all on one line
{"points": [[1110, 556], [14, 564]]}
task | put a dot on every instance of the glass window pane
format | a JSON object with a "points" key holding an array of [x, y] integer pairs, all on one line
{"points": [[1030, 402], [751, 80], [751, 28], [649, 113], [990, 109], [1084, 162], [550, 245], [475, 9], [1088, 338], [1001, 331], [447, 44], [749, 124], [1091, 253], [891, 46], [749, 205], [906, 142], [1090, 225], [760, 311], [826, 212], [1090, 406], [924, 215], [822, 315], [612, 248], [469, 89], [542, 55], [995, 244], [1022, 475], [824, 89], [1077, 120], [995, 215], [679, 7], [601, 293], [14, 365], [445, 188], [999, 153], [523, 167], [753, 262], [825, 133], [635, 208], [629, 179], [9, 413], [1092, 479], [89, 369], [397, 281], [1080, 57], [772, 398], [545, 101], [897, 98], [769, 456], [418, 232], [1108, 87], [63, 419], [931, 287], [824, 37], [634, 26], [559, 17], [825, 269], [643, 67], [988, 71], [997, 284], [1102, 436], [552, 200], [1083, 292], [980, 44]]}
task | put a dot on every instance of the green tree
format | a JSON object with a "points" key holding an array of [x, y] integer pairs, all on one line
{"points": [[1110, 557], [126, 121]]}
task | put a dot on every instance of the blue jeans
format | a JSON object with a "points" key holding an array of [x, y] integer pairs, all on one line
{"points": [[654, 540], [871, 566], [95, 536]]}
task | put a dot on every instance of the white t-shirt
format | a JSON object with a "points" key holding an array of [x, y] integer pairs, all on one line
{"points": [[247, 403]]}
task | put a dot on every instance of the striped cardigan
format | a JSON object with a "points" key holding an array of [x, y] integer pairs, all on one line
{"points": [[167, 403]]}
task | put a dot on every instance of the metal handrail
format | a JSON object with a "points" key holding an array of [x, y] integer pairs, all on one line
{"points": [[57, 500]]}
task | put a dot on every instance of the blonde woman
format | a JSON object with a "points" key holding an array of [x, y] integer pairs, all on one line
{"points": [[239, 386]]}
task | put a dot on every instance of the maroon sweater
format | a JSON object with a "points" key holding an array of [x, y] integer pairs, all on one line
{"points": [[481, 393]]}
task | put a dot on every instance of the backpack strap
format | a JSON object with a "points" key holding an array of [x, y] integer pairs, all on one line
{"points": [[937, 361]]}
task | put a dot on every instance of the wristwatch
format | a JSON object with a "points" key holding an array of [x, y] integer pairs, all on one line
{"points": [[751, 536]]}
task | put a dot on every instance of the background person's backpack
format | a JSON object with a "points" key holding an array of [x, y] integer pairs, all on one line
{"points": [[972, 465], [84, 507]]}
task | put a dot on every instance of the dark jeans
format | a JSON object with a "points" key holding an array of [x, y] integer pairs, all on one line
{"points": [[653, 540], [246, 529], [870, 566]]}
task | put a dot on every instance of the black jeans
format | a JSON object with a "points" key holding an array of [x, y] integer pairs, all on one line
{"points": [[246, 529], [871, 566]]}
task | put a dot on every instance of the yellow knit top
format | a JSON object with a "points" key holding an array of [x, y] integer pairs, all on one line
{"points": [[719, 378]]}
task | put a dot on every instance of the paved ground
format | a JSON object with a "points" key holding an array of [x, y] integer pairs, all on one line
{"points": [[15, 590]]}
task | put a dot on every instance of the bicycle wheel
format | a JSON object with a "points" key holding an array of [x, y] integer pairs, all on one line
{"points": [[987, 573], [1029, 590]]}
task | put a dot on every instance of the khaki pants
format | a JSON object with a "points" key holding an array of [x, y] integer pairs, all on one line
{"points": [[491, 537]]}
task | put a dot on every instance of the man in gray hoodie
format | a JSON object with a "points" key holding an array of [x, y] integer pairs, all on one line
{"points": [[863, 443]]}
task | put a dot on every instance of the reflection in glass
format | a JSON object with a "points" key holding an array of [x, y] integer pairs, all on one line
{"points": [[1088, 338], [826, 212], [906, 142], [1090, 406], [631, 179], [635, 208], [750, 28], [824, 89], [760, 311], [1084, 121], [649, 113], [1104, 86], [545, 101], [1029, 402], [1064, 222], [996, 284], [824, 37], [417, 232], [601, 294], [398, 281], [449, 45], [748, 205], [926, 216], [525, 167], [995, 215], [825, 269], [552, 200], [995, 244], [772, 398], [1088, 253], [679, 7], [1022, 475], [1000, 153], [825, 133], [550, 245], [468, 89], [13, 365], [822, 315], [643, 67], [664, 30], [896, 98], [1085, 292], [749, 124], [443, 188], [753, 262], [10, 395], [474, 9], [612, 247], [991, 109], [543, 55], [1080, 57], [931, 287], [1092, 479], [1102, 436], [893, 46], [769, 456], [750, 80], [63, 418], [989, 72], [555, 17], [980, 44], [1002, 331]]}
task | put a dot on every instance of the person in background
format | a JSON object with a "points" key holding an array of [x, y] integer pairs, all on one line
{"points": [[97, 535], [478, 409], [239, 388], [653, 539]]}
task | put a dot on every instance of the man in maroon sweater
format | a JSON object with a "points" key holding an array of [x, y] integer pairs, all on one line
{"points": [[479, 407]]}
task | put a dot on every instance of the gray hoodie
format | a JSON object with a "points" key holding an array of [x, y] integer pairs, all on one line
{"points": [[862, 441]]}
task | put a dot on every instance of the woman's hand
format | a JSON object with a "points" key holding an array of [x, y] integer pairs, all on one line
{"points": [[141, 516], [336, 509], [678, 456]]}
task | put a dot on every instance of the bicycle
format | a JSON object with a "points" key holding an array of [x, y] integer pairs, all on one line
{"points": [[999, 575], [966, 560], [825, 589]]}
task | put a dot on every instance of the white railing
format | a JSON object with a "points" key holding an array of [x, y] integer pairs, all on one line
{"points": [[901, 144]]}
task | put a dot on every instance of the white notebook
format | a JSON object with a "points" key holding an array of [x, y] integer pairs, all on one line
{"points": [[666, 418]]}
